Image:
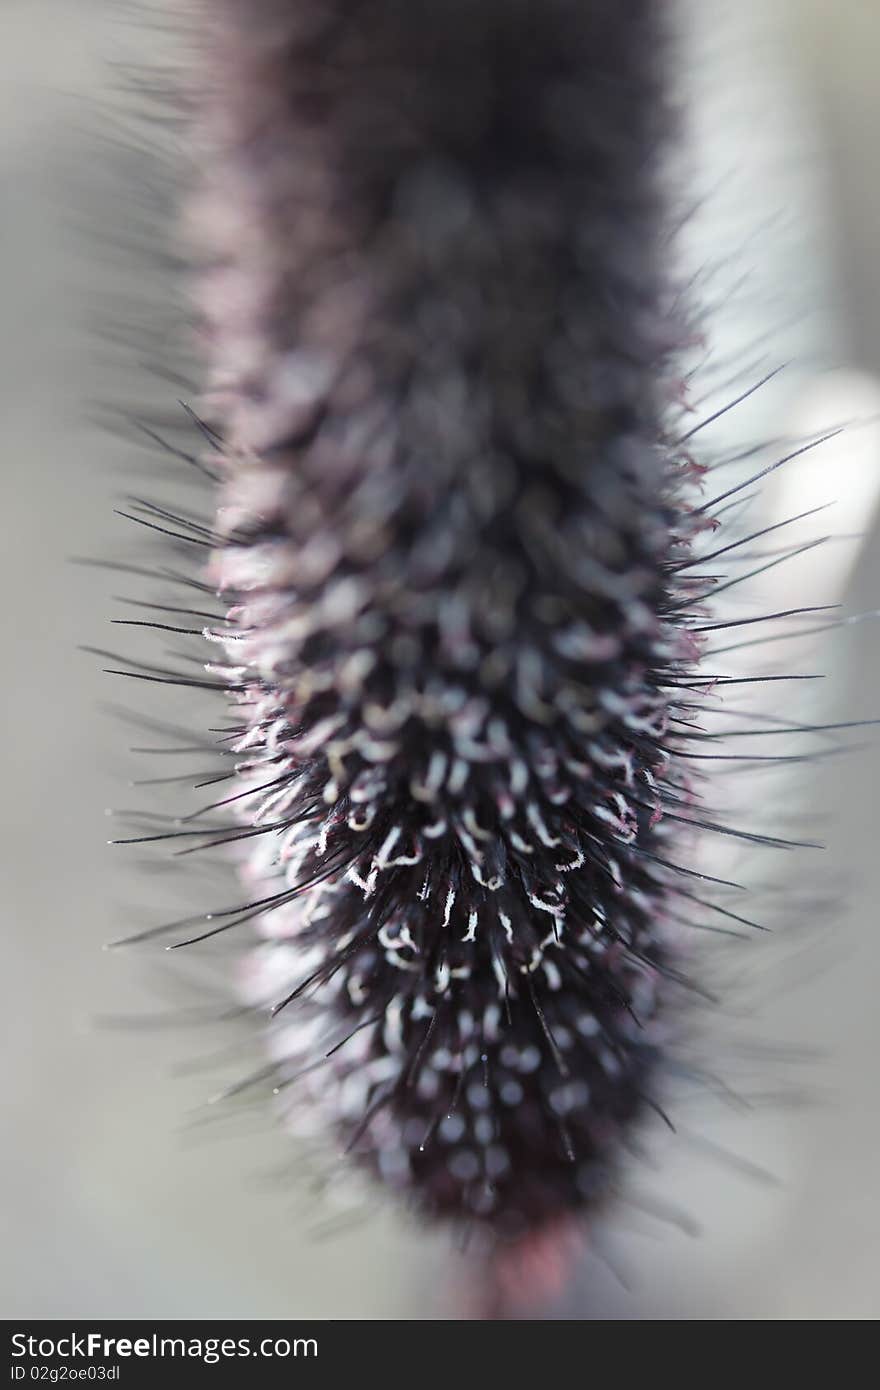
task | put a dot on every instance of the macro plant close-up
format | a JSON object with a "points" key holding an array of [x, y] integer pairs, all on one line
{"points": [[444, 447]]}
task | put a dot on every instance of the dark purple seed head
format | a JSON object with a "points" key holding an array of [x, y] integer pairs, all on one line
{"points": [[443, 344]]}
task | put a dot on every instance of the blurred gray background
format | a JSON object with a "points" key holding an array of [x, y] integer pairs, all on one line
{"points": [[118, 1197]]}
